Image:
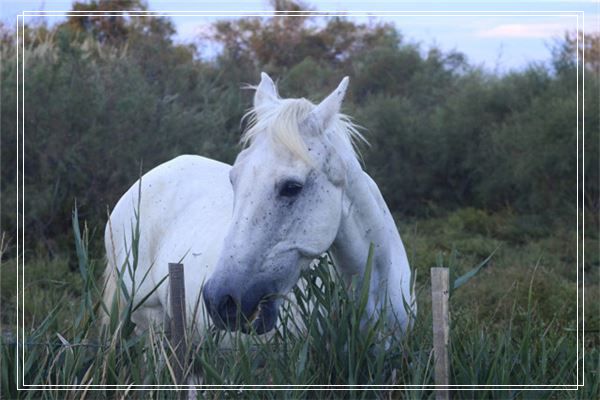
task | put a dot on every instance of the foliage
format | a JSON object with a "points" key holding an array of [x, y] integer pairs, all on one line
{"points": [[521, 347], [579, 45], [108, 96], [266, 43], [468, 161], [96, 114], [100, 21]]}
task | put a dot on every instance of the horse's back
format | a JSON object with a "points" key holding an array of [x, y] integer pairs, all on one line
{"points": [[167, 192], [183, 213]]}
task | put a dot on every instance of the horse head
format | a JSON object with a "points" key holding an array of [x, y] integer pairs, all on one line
{"points": [[288, 187]]}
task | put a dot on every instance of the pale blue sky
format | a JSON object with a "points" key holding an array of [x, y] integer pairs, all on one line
{"points": [[499, 35]]}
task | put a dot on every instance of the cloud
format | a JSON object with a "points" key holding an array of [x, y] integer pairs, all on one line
{"points": [[523, 31]]}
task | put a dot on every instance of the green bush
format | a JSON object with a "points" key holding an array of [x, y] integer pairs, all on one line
{"points": [[444, 135], [98, 115]]}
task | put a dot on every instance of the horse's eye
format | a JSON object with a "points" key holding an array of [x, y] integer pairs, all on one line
{"points": [[290, 189]]}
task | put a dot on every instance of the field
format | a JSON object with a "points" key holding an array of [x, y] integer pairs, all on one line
{"points": [[513, 324], [472, 162]]}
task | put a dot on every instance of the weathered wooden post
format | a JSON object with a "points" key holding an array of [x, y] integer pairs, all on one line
{"points": [[441, 329], [178, 319]]}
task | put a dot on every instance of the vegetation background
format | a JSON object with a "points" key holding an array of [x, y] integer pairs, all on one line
{"points": [[468, 160]]}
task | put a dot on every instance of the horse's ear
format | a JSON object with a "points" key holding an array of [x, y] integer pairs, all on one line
{"points": [[265, 91], [328, 108]]}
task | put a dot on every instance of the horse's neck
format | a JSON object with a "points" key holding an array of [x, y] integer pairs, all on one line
{"points": [[366, 219]]}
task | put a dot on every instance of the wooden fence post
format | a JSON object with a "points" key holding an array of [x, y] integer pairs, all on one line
{"points": [[178, 318], [441, 329]]}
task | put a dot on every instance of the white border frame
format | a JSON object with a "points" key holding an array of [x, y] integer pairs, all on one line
{"points": [[446, 13]]}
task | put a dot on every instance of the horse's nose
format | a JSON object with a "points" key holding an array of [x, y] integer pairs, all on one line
{"points": [[230, 307], [222, 303]]}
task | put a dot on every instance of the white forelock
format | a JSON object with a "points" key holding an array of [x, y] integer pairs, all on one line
{"points": [[280, 120]]}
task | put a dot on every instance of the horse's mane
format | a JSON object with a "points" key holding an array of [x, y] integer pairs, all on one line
{"points": [[280, 119]]}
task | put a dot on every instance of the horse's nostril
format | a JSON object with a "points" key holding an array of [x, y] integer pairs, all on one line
{"points": [[228, 311], [227, 307], [221, 305]]}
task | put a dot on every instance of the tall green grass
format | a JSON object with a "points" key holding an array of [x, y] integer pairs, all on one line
{"points": [[333, 349]]}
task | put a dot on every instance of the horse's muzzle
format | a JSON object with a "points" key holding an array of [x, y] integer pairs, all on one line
{"points": [[253, 310]]}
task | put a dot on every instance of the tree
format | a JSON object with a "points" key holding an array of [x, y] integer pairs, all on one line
{"points": [[588, 48], [573, 46], [283, 41], [109, 27]]}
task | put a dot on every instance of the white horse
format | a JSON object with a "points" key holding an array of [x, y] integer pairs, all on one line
{"points": [[245, 232]]}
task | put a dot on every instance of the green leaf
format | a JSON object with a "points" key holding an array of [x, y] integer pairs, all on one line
{"points": [[138, 305], [80, 247], [366, 283], [461, 280]]}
